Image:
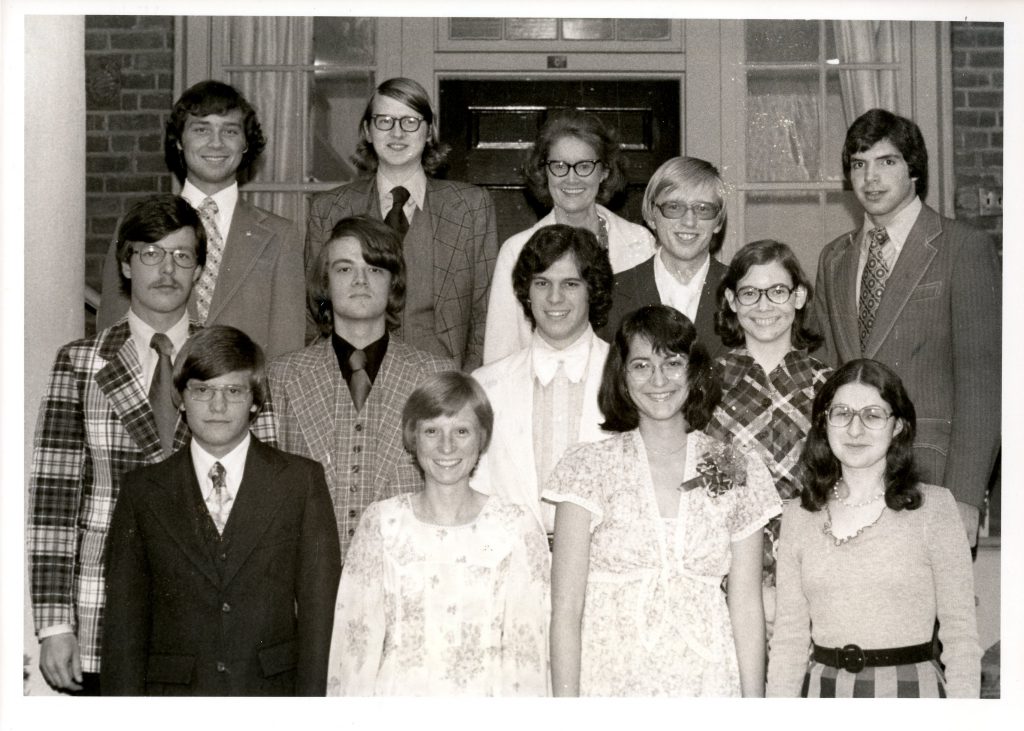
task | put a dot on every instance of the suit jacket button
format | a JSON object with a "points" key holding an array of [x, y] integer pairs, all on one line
{"points": [[359, 427], [353, 488], [222, 667], [355, 468], [223, 557], [351, 513], [225, 607]]}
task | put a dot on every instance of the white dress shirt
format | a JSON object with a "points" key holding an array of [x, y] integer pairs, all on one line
{"points": [[683, 297], [234, 467], [898, 230], [142, 334], [225, 199], [416, 184]]}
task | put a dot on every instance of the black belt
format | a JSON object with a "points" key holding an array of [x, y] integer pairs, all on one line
{"points": [[853, 659]]}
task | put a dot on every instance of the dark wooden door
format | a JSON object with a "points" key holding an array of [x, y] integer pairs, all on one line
{"points": [[491, 124]]}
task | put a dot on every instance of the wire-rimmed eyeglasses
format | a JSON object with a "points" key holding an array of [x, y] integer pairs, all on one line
{"points": [[873, 417], [704, 210], [233, 393], [153, 255]]}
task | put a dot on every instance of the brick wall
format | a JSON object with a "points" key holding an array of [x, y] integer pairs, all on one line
{"points": [[978, 120], [129, 64]]}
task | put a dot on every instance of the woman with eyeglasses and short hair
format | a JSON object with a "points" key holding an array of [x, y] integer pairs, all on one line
{"points": [[870, 557], [648, 523], [768, 376], [684, 204], [448, 228], [574, 166]]}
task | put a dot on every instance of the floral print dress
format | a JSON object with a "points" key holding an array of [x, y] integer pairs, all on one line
{"points": [[443, 610], [655, 620]]}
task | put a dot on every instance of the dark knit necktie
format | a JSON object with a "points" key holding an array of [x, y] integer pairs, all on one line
{"points": [[160, 393], [396, 216], [359, 382], [872, 283]]}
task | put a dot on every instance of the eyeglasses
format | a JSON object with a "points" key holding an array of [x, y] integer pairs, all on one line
{"points": [[641, 371], [873, 417], [233, 393], [154, 255], [385, 122], [678, 209], [777, 293], [561, 168]]}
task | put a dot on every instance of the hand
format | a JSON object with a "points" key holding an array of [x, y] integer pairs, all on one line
{"points": [[970, 517], [60, 661]]}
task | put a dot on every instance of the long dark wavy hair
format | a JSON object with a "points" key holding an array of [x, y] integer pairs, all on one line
{"points": [[820, 469], [668, 331]]}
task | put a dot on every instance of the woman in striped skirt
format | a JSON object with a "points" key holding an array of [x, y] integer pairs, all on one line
{"points": [[869, 558]]}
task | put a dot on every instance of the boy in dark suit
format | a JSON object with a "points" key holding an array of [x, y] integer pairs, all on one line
{"points": [[223, 561]]}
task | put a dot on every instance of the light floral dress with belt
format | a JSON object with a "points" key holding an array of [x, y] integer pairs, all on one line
{"points": [[425, 609], [655, 620]]}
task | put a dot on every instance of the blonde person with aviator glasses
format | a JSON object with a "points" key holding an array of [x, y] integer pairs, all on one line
{"points": [[648, 523]]}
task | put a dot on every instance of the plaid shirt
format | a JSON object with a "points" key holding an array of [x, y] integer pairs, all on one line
{"points": [[769, 413], [95, 424]]}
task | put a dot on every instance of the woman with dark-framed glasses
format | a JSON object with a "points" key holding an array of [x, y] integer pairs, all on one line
{"points": [[574, 166], [768, 376], [684, 204], [870, 557], [448, 228], [648, 522]]}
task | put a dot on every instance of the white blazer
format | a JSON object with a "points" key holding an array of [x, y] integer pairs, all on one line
{"points": [[508, 468]]}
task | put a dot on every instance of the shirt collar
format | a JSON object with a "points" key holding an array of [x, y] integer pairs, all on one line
{"points": [[416, 184], [233, 463], [574, 358], [898, 229], [374, 355], [142, 333], [226, 200]]}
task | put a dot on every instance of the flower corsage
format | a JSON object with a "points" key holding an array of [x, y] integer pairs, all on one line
{"points": [[720, 469]]}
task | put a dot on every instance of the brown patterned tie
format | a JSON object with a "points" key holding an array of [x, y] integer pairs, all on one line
{"points": [[359, 382], [396, 216], [214, 252], [220, 498], [160, 393], [872, 282]]}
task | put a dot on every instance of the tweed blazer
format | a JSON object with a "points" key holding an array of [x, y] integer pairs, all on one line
{"points": [[508, 467], [636, 287], [95, 424], [465, 236], [939, 326], [361, 452], [248, 612], [261, 286]]}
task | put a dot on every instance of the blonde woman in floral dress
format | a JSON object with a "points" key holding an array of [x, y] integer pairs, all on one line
{"points": [[444, 591], [647, 525]]}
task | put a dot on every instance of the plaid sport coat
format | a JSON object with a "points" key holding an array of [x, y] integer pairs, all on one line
{"points": [[361, 452], [465, 237], [95, 424]]}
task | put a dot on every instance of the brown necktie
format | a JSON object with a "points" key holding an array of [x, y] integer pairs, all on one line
{"points": [[359, 382], [396, 216], [160, 393], [872, 283]]}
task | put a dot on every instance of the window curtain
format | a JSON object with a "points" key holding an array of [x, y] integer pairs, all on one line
{"points": [[866, 41], [281, 99]]}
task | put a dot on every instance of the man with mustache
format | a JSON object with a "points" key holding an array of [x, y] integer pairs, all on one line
{"points": [[107, 410]]}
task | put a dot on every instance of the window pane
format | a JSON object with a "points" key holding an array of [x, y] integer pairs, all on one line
{"points": [[475, 29], [531, 29], [344, 41], [781, 41], [337, 107], [794, 218], [641, 29], [783, 139], [588, 29]]}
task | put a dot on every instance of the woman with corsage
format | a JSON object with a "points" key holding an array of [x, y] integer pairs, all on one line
{"points": [[444, 591], [869, 558], [768, 376], [648, 523]]}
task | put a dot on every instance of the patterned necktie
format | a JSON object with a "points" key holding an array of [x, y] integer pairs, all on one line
{"points": [[214, 251], [396, 216], [872, 283], [160, 393], [220, 500], [359, 382]]}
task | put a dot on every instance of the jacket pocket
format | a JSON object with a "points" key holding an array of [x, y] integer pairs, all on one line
{"points": [[175, 669], [278, 658]]}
